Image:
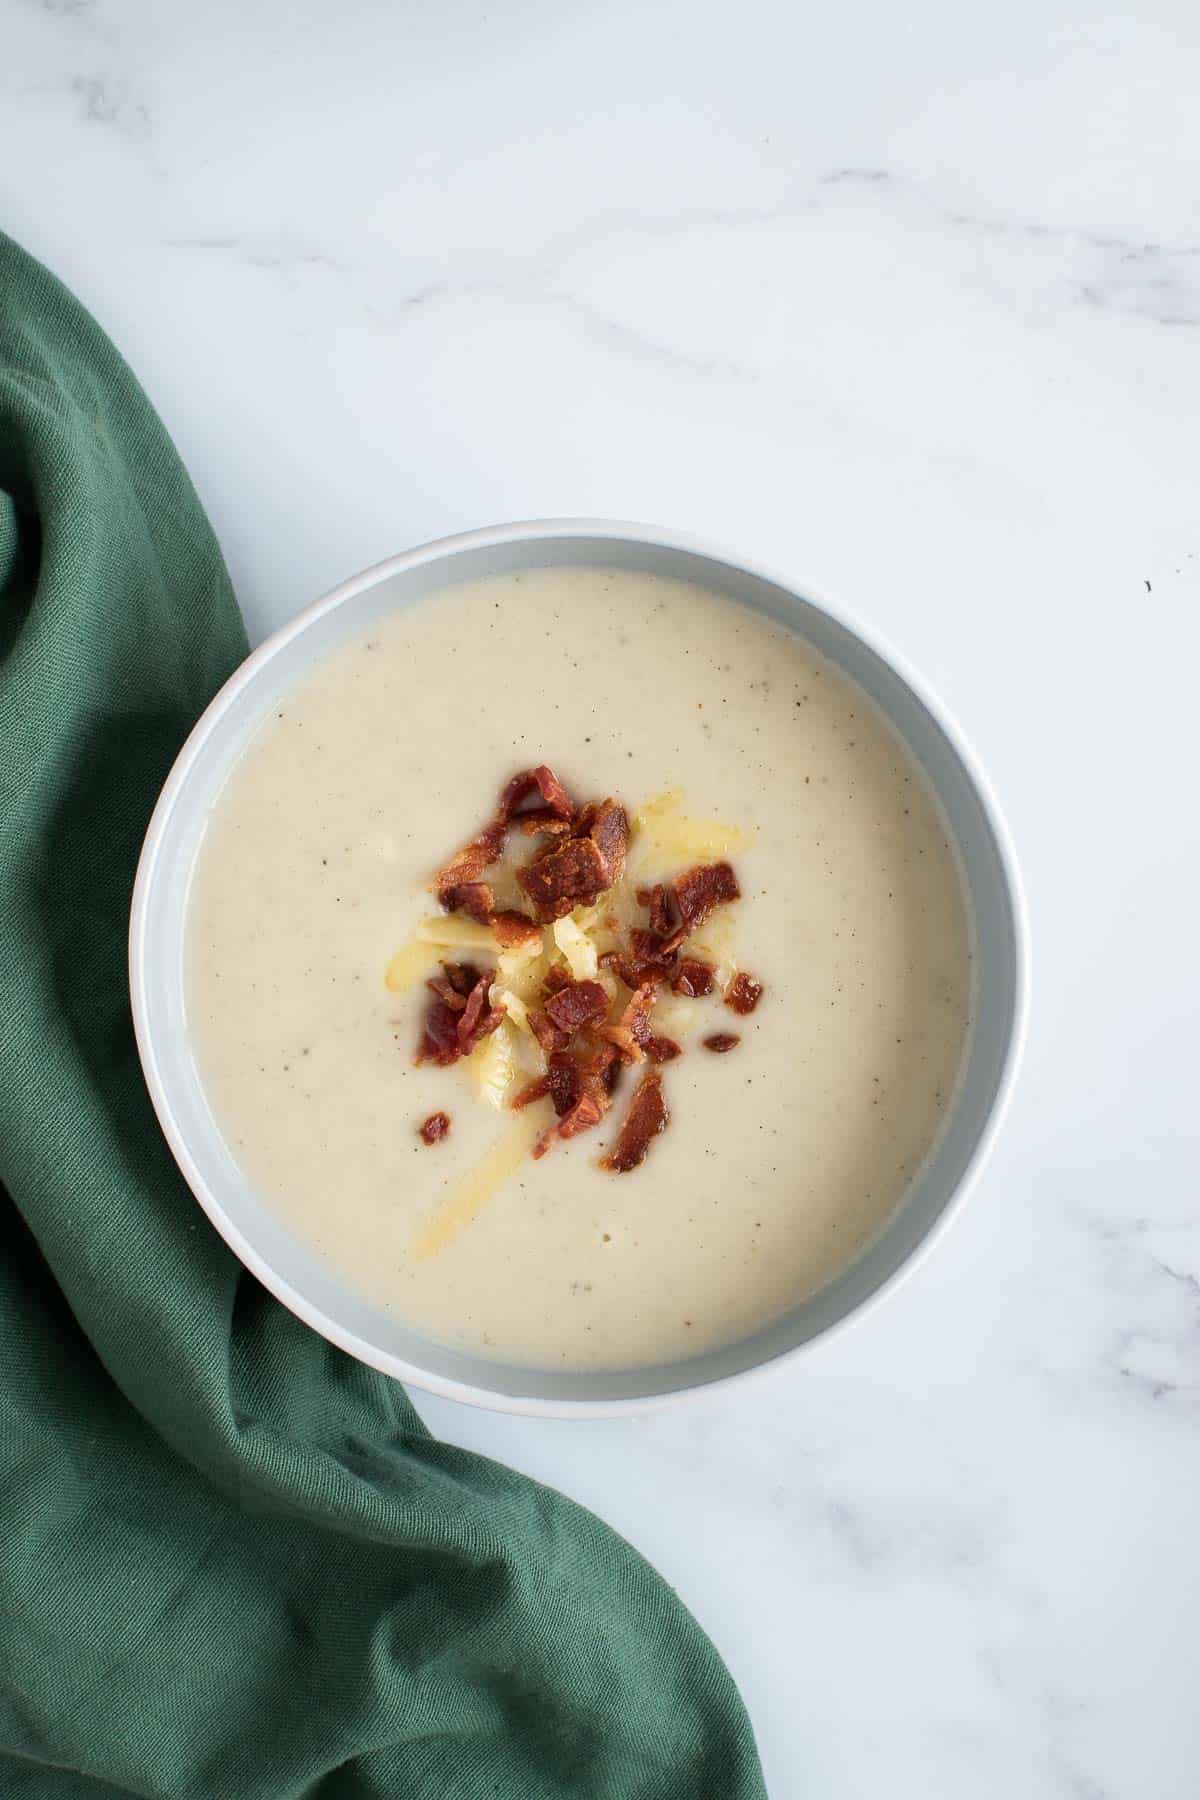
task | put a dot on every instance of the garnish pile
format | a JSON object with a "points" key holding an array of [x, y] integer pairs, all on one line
{"points": [[586, 963]]}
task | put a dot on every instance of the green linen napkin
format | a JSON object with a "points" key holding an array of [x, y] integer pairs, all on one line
{"points": [[232, 1561]]}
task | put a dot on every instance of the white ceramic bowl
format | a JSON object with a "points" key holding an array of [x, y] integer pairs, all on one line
{"points": [[284, 1265]]}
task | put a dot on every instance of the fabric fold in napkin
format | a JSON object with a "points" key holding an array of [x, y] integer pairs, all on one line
{"points": [[233, 1564]]}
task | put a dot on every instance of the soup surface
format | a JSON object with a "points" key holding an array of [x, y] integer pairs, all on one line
{"points": [[782, 1157]]}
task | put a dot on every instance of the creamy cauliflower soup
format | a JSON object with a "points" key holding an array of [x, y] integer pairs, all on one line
{"points": [[579, 964]]}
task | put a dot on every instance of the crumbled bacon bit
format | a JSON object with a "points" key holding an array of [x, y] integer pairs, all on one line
{"points": [[435, 1127], [636, 1016], [473, 1010], [576, 1005], [565, 1082], [604, 1065], [609, 831], [547, 1033], [479, 1016], [542, 781], [533, 1090], [571, 875], [584, 1113], [743, 993], [647, 1116], [634, 973], [460, 1014], [541, 822], [461, 976], [467, 864], [490, 1022], [721, 1041], [702, 889], [648, 959], [541, 851], [648, 947], [662, 1049], [624, 1043], [475, 898], [693, 978], [587, 1111], [546, 1141], [445, 991], [631, 1032], [439, 1034], [578, 871], [513, 929], [557, 978], [662, 913]]}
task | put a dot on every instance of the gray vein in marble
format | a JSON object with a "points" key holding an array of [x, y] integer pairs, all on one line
{"points": [[1158, 282], [1084, 1788], [61, 8], [1056, 1711], [1154, 282], [259, 253], [1154, 1349], [107, 100], [861, 177], [622, 336], [520, 292], [1145, 1384], [99, 86], [1009, 227], [849, 1530], [1181, 1275]]}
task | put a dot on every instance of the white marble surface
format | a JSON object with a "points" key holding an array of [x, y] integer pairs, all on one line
{"points": [[904, 298]]}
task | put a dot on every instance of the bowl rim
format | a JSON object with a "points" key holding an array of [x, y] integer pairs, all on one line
{"points": [[244, 676]]}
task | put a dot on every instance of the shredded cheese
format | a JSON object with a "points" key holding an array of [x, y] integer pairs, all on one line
{"points": [[468, 1197], [513, 1005], [577, 949], [520, 969], [451, 931], [494, 1065], [664, 833], [409, 965]]}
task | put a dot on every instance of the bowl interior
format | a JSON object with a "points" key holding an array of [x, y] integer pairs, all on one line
{"points": [[284, 1264]]}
